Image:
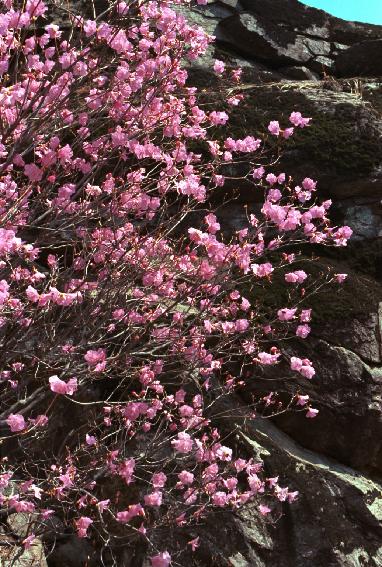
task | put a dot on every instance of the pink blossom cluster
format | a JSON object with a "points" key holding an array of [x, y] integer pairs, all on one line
{"points": [[107, 156]]}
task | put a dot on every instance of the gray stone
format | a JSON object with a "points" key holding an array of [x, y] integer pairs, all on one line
{"points": [[300, 73], [248, 34], [73, 552], [334, 461], [13, 555], [362, 59]]}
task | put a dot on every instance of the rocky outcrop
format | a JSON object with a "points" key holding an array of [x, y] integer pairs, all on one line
{"points": [[342, 148], [19, 527], [299, 58], [363, 59], [287, 33], [336, 521]]}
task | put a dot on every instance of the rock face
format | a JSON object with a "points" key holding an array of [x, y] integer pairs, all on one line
{"points": [[299, 58], [286, 33], [362, 59], [20, 525], [329, 523]]}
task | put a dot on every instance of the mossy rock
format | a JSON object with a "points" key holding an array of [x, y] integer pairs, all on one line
{"points": [[357, 297], [343, 139], [372, 93]]}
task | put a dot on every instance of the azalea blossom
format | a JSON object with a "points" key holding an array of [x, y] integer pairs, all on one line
{"points": [[219, 66], [16, 422], [60, 387], [161, 560]]}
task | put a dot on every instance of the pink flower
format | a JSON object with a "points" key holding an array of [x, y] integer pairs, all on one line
{"points": [[194, 543], [46, 513], [96, 359], [240, 464], [90, 440], [295, 363], [296, 277], [266, 358], [103, 505], [247, 144], [186, 411], [90, 27], [4, 295], [161, 560], [241, 325], [33, 172], [159, 480], [297, 120], [305, 315], [118, 314], [264, 510], [153, 499], [95, 356], [228, 327], [342, 235], [65, 154], [16, 422], [218, 118], [317, 212], [288, 132], [219, 66], [21, 505], [303, 331], [274, 128], [302, 400], [28, 541], [312, 412], [183, 444], [341, 277], [82, 525], [60, 387], [281, 178], [271, 178], [220, 499], [262, 270], [41, 420], [186, 477], [224, 453], [292, 496], [274, 195], [258, 172], [133, 511], [126, 470], [307, 371], [303, 366], [286, 314], [35, 8], [213, 225], [308, 184], [122, 8]]}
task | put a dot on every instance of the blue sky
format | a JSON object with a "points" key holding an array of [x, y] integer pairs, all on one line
{"points": [[357, 10]]}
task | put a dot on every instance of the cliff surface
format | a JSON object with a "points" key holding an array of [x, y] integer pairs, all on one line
{"points": [[300, 58]]}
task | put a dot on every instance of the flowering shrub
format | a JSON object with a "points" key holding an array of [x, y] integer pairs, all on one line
{"points": [[123, 328]]}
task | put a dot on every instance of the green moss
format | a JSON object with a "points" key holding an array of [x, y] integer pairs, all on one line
{"points": [[372, 93], [357, 297], [342, 141], [332, 142]]}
